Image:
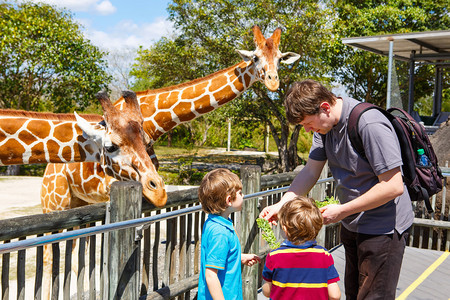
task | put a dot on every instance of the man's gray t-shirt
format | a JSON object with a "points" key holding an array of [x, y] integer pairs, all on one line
{"points": [[355, 175]]}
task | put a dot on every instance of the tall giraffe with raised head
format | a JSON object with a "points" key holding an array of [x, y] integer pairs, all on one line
{"points": [[165, 108]]}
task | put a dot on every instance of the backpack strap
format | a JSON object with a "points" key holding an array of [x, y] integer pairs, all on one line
{"points": [[352, 126]]}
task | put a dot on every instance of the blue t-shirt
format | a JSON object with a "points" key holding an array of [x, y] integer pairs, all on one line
{"points": [[220, 250], [355, 175]]}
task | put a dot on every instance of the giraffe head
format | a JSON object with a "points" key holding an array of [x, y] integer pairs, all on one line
{"points": [[123, 146], [266, 57]]}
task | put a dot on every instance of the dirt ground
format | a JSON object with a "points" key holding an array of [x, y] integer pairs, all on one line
{"points": [[19, 196]]}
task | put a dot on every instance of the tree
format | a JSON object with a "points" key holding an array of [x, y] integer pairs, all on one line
{"points": [[210, 31], [119, 68], [45, 62], [365, 74]]}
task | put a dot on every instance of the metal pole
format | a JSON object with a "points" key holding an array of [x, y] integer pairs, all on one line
{"points": [[411, 82], [229, 135], [437, 99], [391, 54]]}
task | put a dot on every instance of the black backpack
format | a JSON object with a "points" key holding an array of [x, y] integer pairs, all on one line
{"points": [[422, 181]]}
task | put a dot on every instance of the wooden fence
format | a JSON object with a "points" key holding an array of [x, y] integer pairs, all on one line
{"points": [[158, 259]]}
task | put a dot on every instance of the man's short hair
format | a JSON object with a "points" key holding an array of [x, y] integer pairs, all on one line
{"points": [[301, 219], [214, 189], [303, 99]]}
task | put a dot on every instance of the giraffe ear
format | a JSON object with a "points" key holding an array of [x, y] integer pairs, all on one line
{"points": [[289, 57], [89, 131], [245, 54]]}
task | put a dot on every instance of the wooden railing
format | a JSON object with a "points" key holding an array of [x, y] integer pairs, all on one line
{"points": [[169, 249], [432, 231]]}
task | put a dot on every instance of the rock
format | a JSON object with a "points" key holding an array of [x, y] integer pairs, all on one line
{"points": [[441, 142]]}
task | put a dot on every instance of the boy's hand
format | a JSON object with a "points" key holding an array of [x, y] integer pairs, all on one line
{"points": [[270, 213], [250, 259]]}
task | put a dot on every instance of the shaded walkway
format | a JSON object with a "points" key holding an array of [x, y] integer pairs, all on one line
{"points": [[433, 286], [425, 274]]}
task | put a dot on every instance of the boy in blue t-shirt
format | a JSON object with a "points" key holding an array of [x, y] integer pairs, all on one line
{"points": [[300, 269], [220, 194]]}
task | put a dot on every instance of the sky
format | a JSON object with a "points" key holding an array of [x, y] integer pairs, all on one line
{"points": [[117, 24]]}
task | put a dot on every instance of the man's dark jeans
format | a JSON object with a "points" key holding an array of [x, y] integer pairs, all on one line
{"points": [[372, 264]]}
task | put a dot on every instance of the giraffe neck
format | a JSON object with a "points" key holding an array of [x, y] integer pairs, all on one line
{"points": [[30, 138], [163, 109]]}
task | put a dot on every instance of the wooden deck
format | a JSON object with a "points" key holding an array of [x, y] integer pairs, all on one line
{"points": [[425, 274], [414, 283]]}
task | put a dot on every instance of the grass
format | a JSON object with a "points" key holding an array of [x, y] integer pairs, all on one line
{"points": [[164, 151]]}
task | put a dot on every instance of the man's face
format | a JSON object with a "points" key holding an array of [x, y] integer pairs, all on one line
{"points": [[321, 122]]}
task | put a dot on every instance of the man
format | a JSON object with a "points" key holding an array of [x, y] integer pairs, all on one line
{"points": [[375, 209]]}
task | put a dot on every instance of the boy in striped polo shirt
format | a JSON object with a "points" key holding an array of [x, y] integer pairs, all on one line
{"points": [[220, 194], [300, 269]]}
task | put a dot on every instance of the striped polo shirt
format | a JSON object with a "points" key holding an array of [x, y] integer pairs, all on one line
{"points": [[300, 271]]}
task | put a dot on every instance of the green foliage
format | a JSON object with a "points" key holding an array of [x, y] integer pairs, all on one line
{"points": [[27, 170], [304, 141], [364, 74], [327, 201], [268, 234], [45, 62], [188, 175]]}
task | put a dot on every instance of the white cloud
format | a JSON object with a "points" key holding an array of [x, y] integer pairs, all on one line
{"points": [[124, 34], [127, 34], [104, 7]]}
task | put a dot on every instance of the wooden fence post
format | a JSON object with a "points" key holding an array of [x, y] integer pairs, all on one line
{"points": [[247, 229], [124, 250]]}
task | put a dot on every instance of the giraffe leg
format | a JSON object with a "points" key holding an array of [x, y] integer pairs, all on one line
{"points": [[79, 267], [55, 195]]}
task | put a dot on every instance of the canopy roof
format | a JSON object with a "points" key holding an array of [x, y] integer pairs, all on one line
{"points": [[430, 46]]}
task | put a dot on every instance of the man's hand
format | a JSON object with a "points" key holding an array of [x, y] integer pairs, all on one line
{"points": [[270, 213], [331, 213]]}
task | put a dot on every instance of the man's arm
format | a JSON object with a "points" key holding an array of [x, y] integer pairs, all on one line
{"points": [[213, 283], [390, 186], [301, 185]]}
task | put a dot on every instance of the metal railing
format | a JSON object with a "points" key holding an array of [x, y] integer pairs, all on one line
{"points": [[267, 197], [139, 224]]}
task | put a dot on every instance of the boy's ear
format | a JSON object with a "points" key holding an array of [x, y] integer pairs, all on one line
{"points": [[228, 200]]}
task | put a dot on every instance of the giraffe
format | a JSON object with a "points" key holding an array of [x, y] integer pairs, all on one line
{"points": [[166, 108], [163, 109], [118, 142]]}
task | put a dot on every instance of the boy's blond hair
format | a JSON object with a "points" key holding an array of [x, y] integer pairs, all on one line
{"points": [[214, 189], [301, 219]]}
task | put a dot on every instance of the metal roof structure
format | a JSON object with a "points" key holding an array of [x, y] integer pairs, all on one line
{"points": [[417, 48], [430, 46]]}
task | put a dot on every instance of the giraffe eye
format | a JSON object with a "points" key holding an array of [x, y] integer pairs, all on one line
{"points": [[255, 58], [111, 148]]}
